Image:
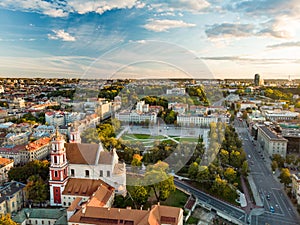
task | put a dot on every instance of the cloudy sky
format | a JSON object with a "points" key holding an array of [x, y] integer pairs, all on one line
{"points": [[229, 38]]}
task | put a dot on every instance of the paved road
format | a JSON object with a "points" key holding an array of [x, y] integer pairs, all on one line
{"points": [[266, 184], [214, 203]]}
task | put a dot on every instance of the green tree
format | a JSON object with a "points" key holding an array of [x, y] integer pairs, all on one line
{"points": [[36, 189], [274, 165], [160, 182], [245, 168], [90, 135], [279, 159], [203, 174], [193, 170], [224, 156], [6, 220], [285, 176], [139, 194], [36, 167]]}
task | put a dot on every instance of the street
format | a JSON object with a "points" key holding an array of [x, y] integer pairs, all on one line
{"points": [[270, 193]]}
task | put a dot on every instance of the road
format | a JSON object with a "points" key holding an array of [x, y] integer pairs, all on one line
{"points": [[269, 189]]}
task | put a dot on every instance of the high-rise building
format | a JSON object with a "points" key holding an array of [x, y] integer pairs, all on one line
{"points": [[258, 81]]}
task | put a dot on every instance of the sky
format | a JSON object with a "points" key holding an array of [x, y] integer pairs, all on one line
{"points": [[132, 38]]}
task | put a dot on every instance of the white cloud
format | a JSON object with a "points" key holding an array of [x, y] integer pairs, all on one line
{"points": [[165, 25], [61, 34], [57, 9], [181, 5]]}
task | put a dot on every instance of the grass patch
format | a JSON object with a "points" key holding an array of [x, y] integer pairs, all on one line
{"points": [[192, 220], [176, 199]]}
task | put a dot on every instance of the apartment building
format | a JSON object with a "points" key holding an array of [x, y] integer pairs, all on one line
{"points": [[270, 142], [11, 197], [5, 166]]}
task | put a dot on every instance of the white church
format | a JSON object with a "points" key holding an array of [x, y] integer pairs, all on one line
{"points": [[76, 161]]}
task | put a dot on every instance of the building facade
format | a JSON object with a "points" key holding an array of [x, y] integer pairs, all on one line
{"points": [[270, 142], [12, 197]]}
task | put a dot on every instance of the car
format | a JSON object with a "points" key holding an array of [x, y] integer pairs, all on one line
{"points": [[272, 210], [268, 196]]}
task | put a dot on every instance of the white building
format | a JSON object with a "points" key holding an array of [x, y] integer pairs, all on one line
{"points": [[200, 120], [280, 115], [135, 117], [176, 91], [55, 118], [82, 161], [270, 142]]}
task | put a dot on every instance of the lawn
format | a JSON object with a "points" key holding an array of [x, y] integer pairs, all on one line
{"points": [[176, 199]]}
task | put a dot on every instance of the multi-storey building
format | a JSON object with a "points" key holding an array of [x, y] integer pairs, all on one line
{"points": [[270, 142], [11, 197], [5, 166], [41, 216], [200, 120], [37, 150], [280, 115], [296, 187], [87, 214], [176, 91]]}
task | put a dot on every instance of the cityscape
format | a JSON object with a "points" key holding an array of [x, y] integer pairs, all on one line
{"points": [[139, 112]]}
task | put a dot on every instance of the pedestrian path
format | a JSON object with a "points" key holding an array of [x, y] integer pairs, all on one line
{"points": [[256, 195]]}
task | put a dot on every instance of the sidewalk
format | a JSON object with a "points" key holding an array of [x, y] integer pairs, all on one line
{"points": [[256, 195]]}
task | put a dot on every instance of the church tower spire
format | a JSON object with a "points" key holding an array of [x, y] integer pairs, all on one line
{"points": [[74, 136], [58, 168]]}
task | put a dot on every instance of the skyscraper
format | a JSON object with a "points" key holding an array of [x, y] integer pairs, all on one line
{"points": [[258, 81]]}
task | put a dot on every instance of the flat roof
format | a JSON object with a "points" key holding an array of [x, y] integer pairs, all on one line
{"points": [[270, 133]]}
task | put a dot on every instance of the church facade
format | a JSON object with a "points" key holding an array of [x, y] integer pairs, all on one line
{"points": [[82, 161]]}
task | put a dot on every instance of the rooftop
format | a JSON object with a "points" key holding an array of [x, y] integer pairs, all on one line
{"points": [[40, 213], [271, 134], [9, 189]]}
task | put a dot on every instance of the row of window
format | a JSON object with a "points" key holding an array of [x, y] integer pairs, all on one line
{"points": [[87, 173]]}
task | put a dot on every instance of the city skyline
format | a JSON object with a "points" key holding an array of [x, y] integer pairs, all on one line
{"points": [[232, 39]]}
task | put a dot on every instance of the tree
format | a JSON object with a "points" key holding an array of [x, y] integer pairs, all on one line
{"points": [[279, 159], [245, 168], [285, 176], [36, 167], [159, 181], [230, 174], [139, 194], [224, 156], [203, 174], [90, 135], [36, 189], [6, 220], [136, 160], [193, 170], [274, 165]]}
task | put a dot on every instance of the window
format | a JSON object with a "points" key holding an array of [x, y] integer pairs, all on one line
{"points": [[101, 173], [108, 173], [42, 221], [72, 172], [55, 174], [87, 173], [55, 159]]}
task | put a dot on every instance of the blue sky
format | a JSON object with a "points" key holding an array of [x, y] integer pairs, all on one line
{"points": [[228, 39]]}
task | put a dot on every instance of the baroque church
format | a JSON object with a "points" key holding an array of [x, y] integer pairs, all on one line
{"points": [[74, 162]]}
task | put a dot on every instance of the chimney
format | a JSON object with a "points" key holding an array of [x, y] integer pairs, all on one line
{"points": [[158, 203], [83, 209], [119, 210]]}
